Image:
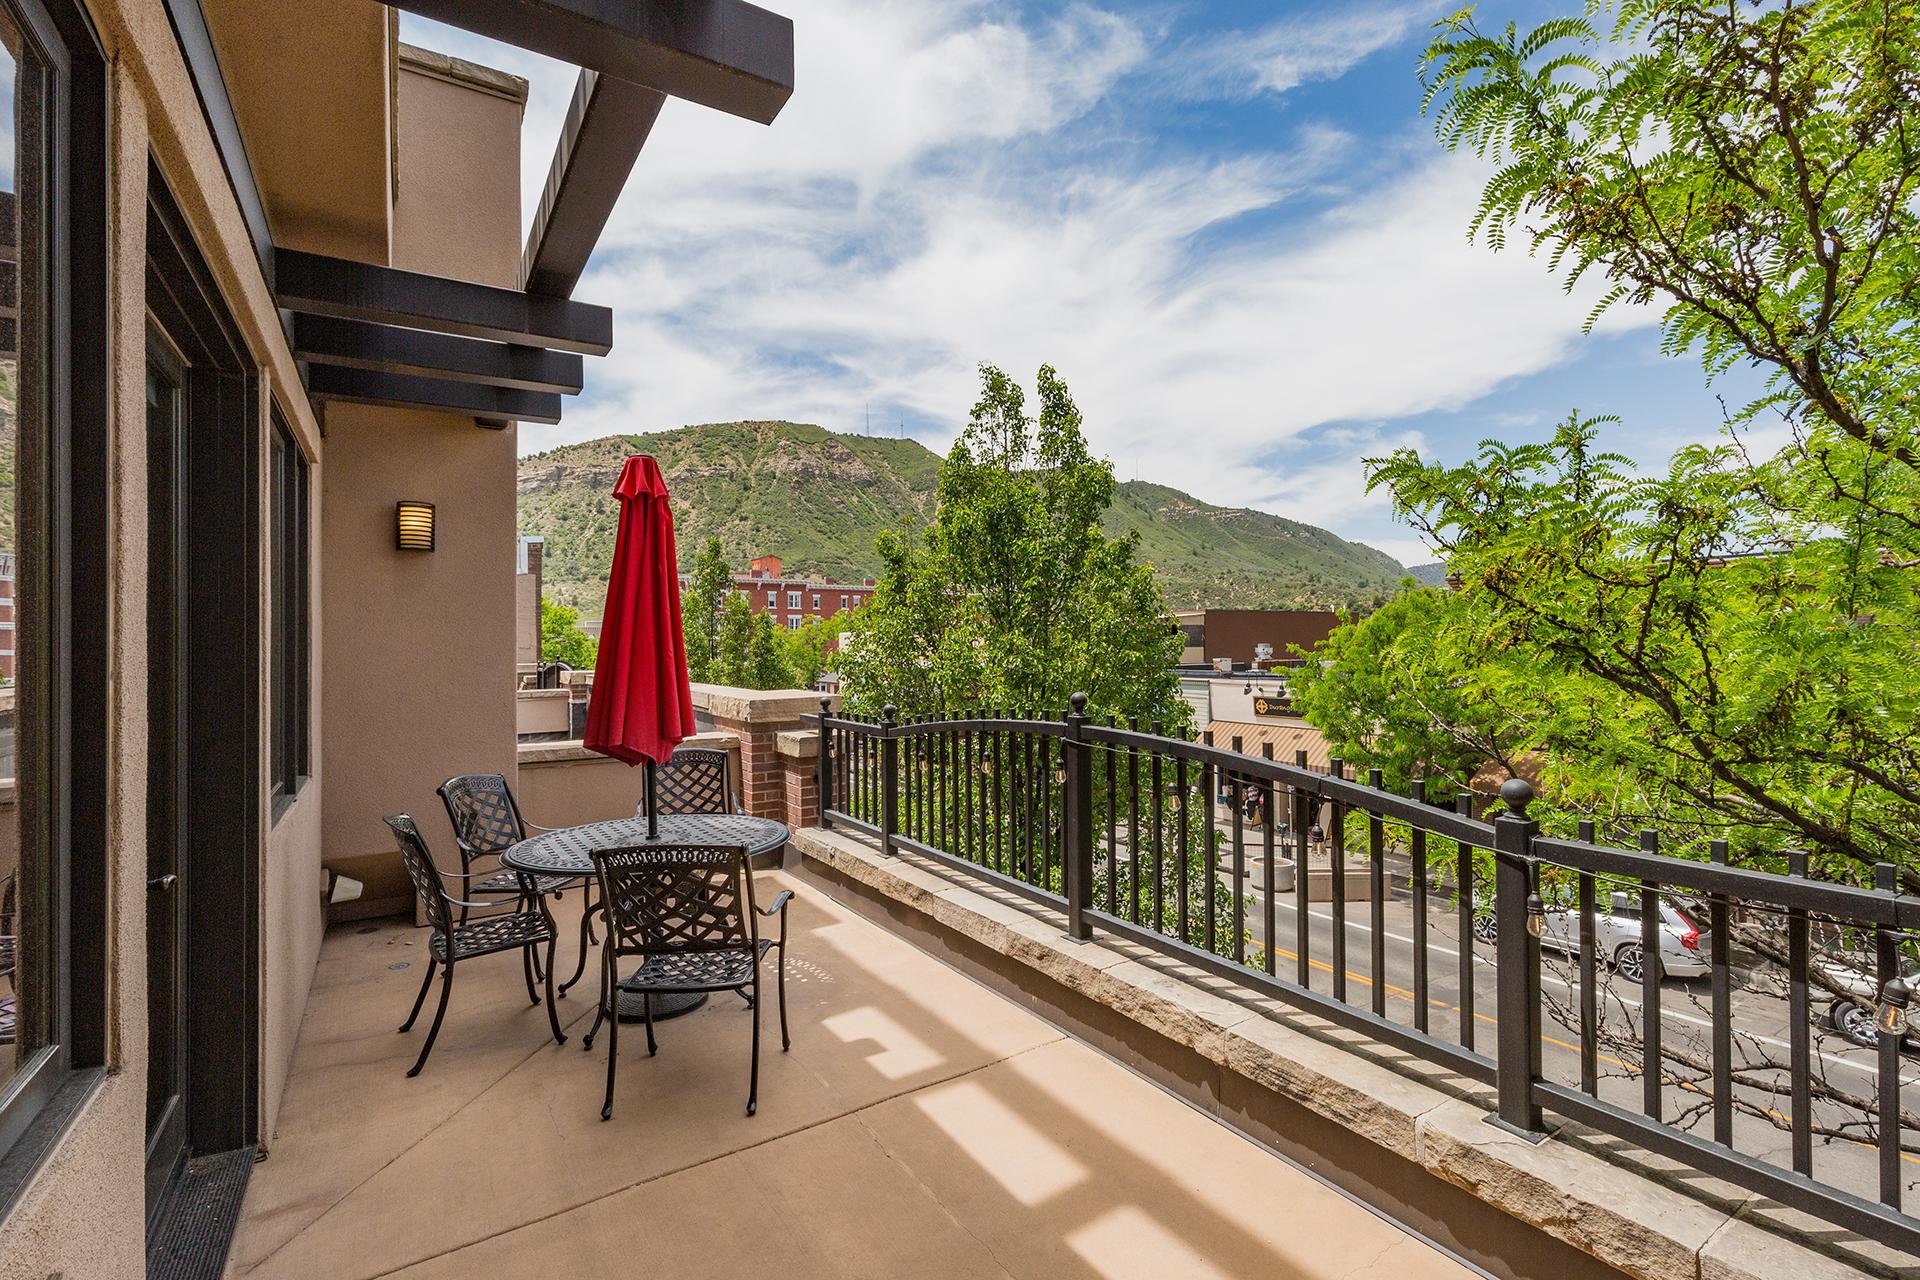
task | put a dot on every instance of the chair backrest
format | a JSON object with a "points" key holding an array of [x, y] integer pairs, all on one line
{"points": [[421, 870], [677, 898], [483, 813], [9, 948], [695, 780]]}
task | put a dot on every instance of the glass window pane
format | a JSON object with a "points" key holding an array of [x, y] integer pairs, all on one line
{"points": [[26, 951]]}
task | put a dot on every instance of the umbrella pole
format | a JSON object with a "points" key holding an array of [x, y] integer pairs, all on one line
{"points": [[653, 805]]}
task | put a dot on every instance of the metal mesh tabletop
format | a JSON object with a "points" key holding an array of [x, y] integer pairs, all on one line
{"points": [[569, 851]]}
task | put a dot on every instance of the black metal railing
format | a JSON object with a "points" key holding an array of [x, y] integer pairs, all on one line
{"points": [[1187, 846]]}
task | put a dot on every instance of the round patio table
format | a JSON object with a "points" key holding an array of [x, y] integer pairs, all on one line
{"points": [[569, 852]]}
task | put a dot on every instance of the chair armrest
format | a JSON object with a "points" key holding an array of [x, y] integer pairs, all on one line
{"points": [[489, 905], [779, 904]]}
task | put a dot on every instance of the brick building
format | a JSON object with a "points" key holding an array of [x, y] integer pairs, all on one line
{"points": [[793, 601]]}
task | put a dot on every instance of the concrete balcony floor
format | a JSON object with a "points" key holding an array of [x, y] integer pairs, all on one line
{"points": [[921, 1126]]}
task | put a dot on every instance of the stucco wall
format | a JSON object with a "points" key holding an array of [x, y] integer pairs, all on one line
{"points": [[562, 784], [439, 672], [458, 211], [423, 642]]}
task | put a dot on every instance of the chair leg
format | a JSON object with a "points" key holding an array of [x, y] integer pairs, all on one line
{"points": [[586, 940], [613, 1057], [785, 1042], [753, 1077], [526, 966], [646, 1003], [446, 989], [553, 1015], [421, 999], [531, 902], [600, 1010]]}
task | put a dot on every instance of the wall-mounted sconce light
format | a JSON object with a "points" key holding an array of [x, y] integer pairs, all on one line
{"points": [[413, 525]]}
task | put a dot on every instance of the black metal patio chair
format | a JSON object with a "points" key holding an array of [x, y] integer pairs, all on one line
{"points": [[688, 912], [456, 938], [9, 958], [695, 780], [486, 823]]}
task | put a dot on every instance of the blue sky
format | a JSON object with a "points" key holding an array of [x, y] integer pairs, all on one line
{"points": [[1226, 224]]}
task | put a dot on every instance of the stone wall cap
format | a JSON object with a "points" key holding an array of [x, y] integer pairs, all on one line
{"points": [[798, 744], [758, 706], [573, 751], [469, 75]]}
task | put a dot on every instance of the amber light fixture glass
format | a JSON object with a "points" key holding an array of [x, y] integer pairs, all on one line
{"points": [[413, 525]]}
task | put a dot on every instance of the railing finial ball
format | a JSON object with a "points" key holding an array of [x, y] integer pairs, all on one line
{"points": [[1516, 794], [889, 711], [1079, 703]]}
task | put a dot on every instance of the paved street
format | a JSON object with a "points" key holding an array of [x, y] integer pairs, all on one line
{"points": [[1761, 1025]]}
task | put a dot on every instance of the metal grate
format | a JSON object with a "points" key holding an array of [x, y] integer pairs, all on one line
{"points": [[194, 1227]]}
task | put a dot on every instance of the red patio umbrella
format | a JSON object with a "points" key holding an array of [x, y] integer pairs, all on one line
{"points": [[641, 704]]}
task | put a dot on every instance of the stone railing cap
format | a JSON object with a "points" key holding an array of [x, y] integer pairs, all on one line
{"points": [[798, 744], [571, 749]]}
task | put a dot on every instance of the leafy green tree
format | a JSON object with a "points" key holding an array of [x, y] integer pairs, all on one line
{"points": [[562, 640], [1724, 649], [1014, 596], [707, 589], [733, 642], [1386, 693], [751, 651], [806, 649]]}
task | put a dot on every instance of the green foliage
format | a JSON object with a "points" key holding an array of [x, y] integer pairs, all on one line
{"points": [[751, 651], [562, 640], [700, 604], [821, 501], [1384, 692], [806, 649], [1014, 597], [1751, 168], [1725, 649]]}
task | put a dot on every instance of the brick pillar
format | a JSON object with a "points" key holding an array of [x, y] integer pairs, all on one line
{"points": [[799, 754], [758, 718]]}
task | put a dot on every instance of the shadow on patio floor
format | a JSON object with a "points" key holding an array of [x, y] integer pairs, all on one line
{"points": [[921, 1126]]}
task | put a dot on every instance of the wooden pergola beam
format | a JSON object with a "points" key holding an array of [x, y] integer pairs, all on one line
{"points": [[491, 406], [725, 54], [606, 126], [356, 344], [311, 284]]}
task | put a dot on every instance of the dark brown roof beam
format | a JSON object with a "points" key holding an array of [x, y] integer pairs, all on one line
{"points": [[606, 126], [725, 54], [355, 344], [491, 406], [311, 284]]}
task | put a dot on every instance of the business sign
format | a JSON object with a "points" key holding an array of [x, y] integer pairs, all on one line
{"points": [[1272, 705]]}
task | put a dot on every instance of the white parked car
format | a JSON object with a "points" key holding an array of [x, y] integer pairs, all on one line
{"points": [[1853, 972], [1684, 949]]}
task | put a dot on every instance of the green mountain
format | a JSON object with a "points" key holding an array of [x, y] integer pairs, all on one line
{"points": [[818, 501]]}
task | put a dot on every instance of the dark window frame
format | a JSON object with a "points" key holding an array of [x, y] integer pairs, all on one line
{"points": [[289, 693], [63, 586]]}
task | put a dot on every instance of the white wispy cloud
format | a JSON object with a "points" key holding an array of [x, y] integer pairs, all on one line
{"points": [[1302, 48], [951, 185]]}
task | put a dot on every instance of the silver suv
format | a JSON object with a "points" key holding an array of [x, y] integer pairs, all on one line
{"points": [[1684, 944]]}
